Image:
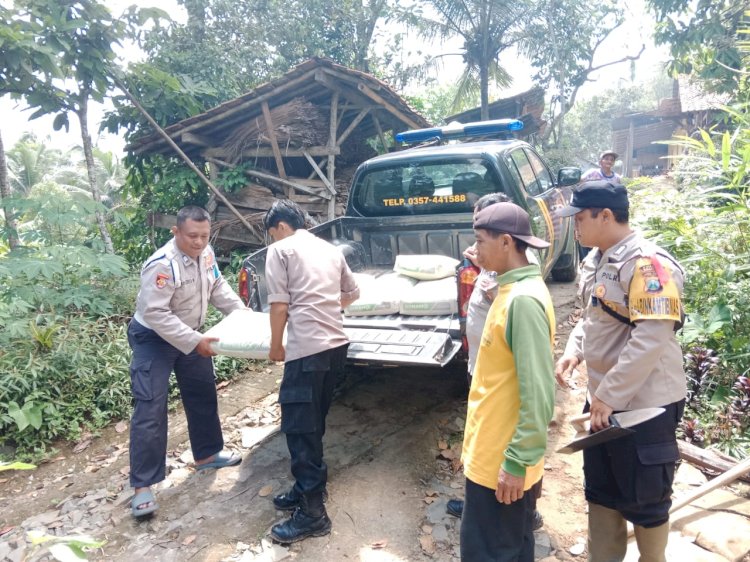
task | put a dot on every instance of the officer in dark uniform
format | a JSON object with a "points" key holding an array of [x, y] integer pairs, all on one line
{"points": [[177, 283]]}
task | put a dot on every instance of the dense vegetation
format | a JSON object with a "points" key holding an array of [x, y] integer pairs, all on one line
{"points": [[706, 224]]}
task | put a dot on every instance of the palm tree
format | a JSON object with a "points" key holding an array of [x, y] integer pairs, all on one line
{"points": [[109, 175], [11, 226], [31, 162], [487, 28]]}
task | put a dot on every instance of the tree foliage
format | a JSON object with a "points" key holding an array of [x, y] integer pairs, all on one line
{"points": [[486, 29], [588, 125], [706, 225], [561, 43], [704, 40], [78, 36]]}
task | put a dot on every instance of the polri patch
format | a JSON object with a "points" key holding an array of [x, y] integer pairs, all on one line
{"points": [[161, 280], [600, 291]]}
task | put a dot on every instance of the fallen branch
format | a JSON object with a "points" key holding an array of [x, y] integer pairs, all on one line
{"points": [[728, 477], [706, 459]]}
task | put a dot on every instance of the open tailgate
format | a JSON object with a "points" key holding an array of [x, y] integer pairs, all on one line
{"points": [[403, 340]]}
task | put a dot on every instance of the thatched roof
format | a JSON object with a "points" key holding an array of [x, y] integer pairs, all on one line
{"points": [[313, 82]]}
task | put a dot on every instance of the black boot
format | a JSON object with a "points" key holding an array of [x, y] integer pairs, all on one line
{"points": [[288, 501], [455, 507], [308, 520], [291, 500], [538, 520]]}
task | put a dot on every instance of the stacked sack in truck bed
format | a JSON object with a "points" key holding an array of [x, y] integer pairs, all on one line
{"points": [[421, 285], [379, 295]]}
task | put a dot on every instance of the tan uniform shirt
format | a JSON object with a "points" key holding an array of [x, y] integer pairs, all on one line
{"points": [[631, 367], [310, 275], [175, 292]]}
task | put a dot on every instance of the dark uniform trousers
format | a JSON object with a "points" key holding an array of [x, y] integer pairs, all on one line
{"points": [[633, 474], [496, 532], [153, 361], [305, 397]]}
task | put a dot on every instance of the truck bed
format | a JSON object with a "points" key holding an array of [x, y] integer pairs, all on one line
{"points": [[371, 247]]}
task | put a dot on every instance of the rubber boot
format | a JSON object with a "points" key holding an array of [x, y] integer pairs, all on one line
{"points": [[652, 542], [308, 520], [608, 534]]}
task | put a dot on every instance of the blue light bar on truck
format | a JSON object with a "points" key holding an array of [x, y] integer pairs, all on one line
{"points": [[458, 130]]}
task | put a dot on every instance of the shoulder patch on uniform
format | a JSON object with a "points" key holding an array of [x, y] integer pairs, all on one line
{"points": [[653, 292], [161, 280]]}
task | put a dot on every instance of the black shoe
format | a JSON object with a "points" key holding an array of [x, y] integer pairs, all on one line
{"points": [[300, 526], [455, 508], [291, 500], [538, 520]]}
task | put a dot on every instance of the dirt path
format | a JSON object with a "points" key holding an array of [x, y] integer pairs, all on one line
{"points": [[392, 440]]}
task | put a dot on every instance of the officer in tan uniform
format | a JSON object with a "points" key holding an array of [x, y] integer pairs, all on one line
{"points": [[177, 283], [631, 290]]}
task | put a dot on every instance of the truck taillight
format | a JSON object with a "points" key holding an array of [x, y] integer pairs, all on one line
{"points": [[244, 291], [466, 273], [467, 276]]}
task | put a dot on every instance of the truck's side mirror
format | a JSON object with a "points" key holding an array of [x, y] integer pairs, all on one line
{"points": [[568, 176]]}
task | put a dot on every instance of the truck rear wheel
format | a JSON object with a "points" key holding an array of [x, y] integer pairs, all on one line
{"points": [[566, 268]]}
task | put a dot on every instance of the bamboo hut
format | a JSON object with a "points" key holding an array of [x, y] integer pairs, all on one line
{"points": [[300, 136]]}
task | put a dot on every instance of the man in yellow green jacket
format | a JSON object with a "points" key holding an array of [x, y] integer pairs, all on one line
{"points": [[511, 400]]}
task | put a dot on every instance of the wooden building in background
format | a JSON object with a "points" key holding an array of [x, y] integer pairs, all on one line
{"points": [[300, 137], [637, 136]]}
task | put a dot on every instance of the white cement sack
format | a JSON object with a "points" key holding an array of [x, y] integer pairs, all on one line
{"points": [[425, 266], [243, 333], [363, 279], [380, 295], [431, 298]]}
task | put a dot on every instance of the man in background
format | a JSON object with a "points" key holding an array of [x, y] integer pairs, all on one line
{"points": [[607, 161]]}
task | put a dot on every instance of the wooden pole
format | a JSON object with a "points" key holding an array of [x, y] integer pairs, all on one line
{"points": [[331, 158], [272, 137], [389, 106], [707, 459], [727, 478], [320, 173], [181, 154], [270, 177], [353, 125], [379, 129]]}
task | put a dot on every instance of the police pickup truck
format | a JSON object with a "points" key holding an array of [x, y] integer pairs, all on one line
{"points": [[420, 201]]}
